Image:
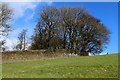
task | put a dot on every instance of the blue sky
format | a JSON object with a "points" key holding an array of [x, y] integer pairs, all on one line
{"points": [[26, 16]]}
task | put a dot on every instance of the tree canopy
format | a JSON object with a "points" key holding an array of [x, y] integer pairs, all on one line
{"points": [[70, 28]]}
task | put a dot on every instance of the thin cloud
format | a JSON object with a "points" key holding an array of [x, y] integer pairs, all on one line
{"points": [[20, 8], [29, 17]]}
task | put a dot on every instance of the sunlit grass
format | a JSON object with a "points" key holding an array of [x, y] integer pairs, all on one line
{"points": [[104, 66]]}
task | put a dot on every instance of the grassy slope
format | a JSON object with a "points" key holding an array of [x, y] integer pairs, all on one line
{"points": [[103, 66]]}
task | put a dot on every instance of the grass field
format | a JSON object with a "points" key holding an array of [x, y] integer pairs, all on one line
{"points": [[104, 66]]}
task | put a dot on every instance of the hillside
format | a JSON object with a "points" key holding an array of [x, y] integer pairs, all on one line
{"points": [[104, 66]]}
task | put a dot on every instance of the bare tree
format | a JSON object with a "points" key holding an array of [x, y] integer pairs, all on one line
{"points": [[2, 46], [49, 16], [5, 16], [22, 40]]}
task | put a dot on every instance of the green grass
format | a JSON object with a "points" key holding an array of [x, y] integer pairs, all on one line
{"points": [[0, 71], [104, 66]]}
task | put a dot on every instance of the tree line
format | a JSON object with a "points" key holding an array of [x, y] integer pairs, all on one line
{"points": [[69, 28]]}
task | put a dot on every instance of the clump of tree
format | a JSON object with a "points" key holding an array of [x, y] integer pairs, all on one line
{"points": [[70, 28], [22, 43], [5, 17]]}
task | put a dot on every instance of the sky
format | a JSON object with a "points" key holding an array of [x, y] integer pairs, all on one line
{"points": [[26, 15]]}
